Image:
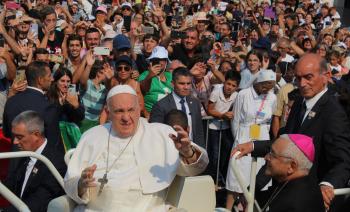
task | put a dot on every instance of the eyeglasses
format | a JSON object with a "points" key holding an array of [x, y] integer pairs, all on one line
{"points": [[125, 68], [275, 155], [126, 8]]}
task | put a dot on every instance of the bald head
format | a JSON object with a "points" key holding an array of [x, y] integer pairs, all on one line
{"points": [[312, 75], [310, 59]]}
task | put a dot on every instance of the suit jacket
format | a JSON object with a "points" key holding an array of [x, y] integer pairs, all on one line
{"points": [[328, 125], [31, 99], [41, 186], [165, 105], [298, 195]]}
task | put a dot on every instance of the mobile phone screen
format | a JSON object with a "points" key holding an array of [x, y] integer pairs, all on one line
{"points": [[127, 23]]}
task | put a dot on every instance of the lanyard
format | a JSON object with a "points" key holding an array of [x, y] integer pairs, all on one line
{"points": [[261, 107]]}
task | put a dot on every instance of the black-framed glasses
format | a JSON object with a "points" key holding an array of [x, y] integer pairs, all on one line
{"points": [[125, 68]]}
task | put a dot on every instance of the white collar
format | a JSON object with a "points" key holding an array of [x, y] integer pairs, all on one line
{"points": [[177, 98], [37, 89], [40, 149], [310, 103]]}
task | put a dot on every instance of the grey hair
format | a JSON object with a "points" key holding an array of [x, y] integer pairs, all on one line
{"points": [[292, 151], [323, 66], [31, 120]]}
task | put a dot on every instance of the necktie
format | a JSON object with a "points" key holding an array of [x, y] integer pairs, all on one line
{"points": [[183, 108], [302, 112]]}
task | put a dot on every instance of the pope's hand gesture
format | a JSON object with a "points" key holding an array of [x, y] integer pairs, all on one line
{"points": [[86, 180], [182, 141]]}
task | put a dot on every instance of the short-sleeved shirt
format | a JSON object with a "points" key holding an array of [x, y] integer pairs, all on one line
{"points": [[221, 105], [93, 100], [158, 89], [282, 101], [55, 46]]}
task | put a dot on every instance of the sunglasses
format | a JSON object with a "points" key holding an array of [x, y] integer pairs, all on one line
{"points": [[126, 8], [125, 68]]}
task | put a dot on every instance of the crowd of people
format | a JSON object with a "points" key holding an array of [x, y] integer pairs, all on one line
{"points": [[264, 78]]}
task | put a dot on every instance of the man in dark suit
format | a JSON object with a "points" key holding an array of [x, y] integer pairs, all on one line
{"points": [[318, 115], [32, 181], [39, 79], [180, 99]]}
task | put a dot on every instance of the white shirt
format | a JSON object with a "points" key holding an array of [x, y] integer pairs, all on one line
{"points": [[310, 103], [37, 89], [288, 58], [222, 105], [31, 164], [177, 100]]}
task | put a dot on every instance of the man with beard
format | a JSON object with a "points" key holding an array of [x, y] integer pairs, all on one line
{"points": [[187, 49]]}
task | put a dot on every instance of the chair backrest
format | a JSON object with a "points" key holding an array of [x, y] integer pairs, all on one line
{"points": [[195, 194], [68, 155]]}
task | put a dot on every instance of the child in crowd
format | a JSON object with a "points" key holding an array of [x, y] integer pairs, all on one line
{"points": [[220, 107]]}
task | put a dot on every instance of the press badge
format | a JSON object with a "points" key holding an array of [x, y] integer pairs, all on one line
{"points": [[254, 132], [260, 115]]}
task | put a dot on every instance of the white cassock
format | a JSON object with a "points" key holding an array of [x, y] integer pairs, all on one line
{"points": [[139, 179], [247, 104]]}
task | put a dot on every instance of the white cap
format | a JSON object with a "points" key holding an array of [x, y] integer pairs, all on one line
{"points": [[126, 4], [118, 89], [109, 34], [265, 75], [159, 52]]}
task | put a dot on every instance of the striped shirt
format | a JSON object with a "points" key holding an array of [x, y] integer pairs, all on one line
{"points": [[93, 100]]}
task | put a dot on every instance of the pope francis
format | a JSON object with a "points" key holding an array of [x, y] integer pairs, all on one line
{"points": [[128, 164]]}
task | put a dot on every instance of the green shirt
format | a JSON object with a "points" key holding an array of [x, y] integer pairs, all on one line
{"points": [[158, 89]]}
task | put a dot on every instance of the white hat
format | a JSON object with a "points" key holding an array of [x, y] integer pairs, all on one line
{"points": [[109, 34], [126, 4], [265, 75], [119, 89], [201, 16], [159, 52]]}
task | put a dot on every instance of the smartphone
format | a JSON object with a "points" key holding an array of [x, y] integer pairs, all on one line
{"points": [[227, 47], [127, 23], [64, 4], [177, 34], [56, 58], [148, 30], [34, 29], [235, 26], [19, 14], [20, 76], [72, 90], [168, 20], [100, 50], [2, 41]]}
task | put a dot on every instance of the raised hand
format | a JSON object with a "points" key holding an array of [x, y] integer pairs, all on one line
{"points": [[182, 141]]}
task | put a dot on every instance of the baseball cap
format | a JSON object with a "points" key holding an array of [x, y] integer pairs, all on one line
{"points": [[121, 42]]}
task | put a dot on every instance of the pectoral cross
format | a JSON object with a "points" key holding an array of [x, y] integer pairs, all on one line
{"points": [[103, 181]]}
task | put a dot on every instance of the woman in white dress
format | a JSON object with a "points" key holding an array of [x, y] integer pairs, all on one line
{"points": [[253, 110]]}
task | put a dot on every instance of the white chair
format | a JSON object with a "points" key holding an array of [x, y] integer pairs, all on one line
{"points": [[194, 194]]}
